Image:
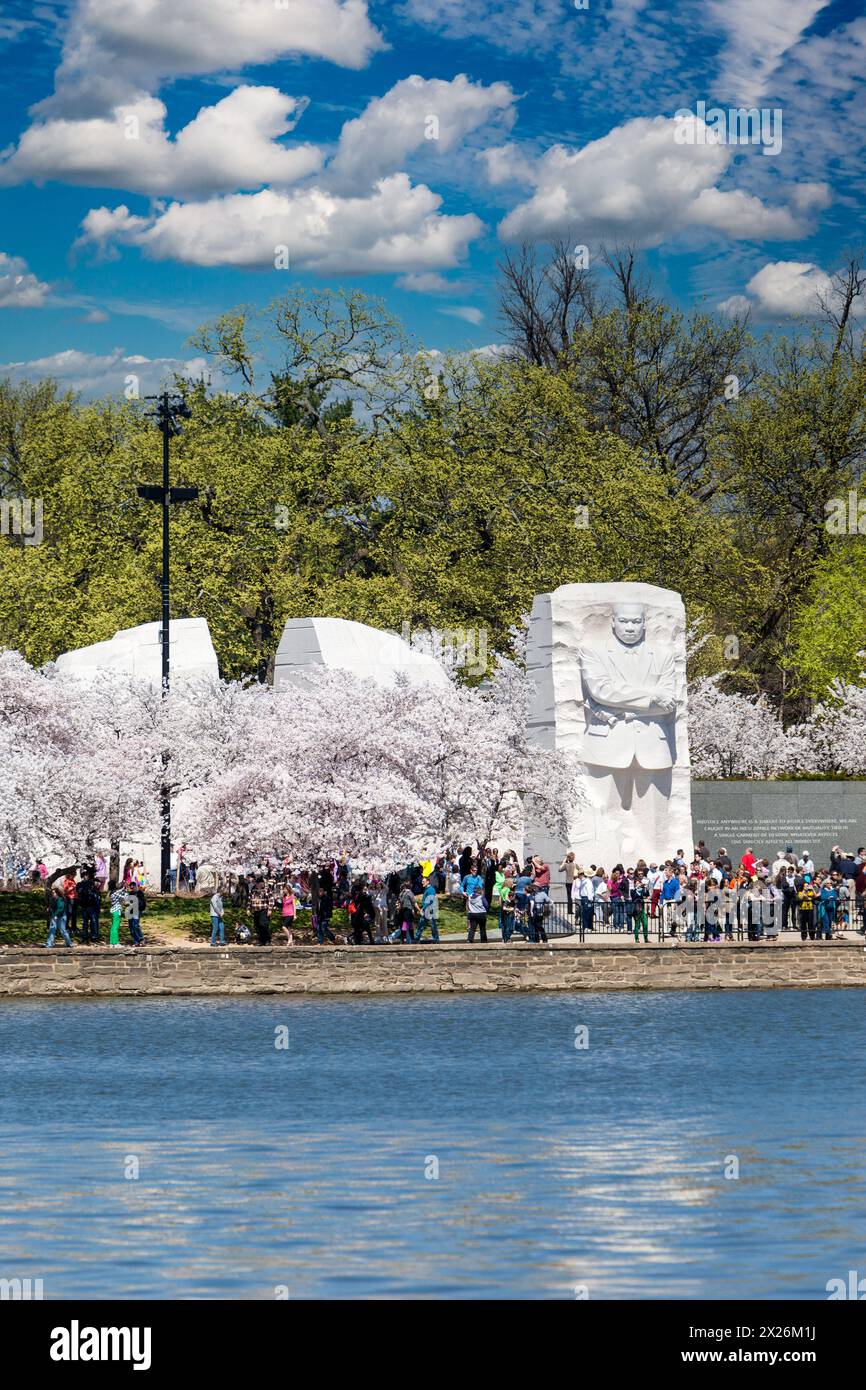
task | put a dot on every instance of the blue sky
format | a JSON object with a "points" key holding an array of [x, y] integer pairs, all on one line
{"points": [[156, 153]]}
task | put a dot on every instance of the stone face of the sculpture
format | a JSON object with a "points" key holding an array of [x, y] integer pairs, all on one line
{"points": [[608, 662], [137, 651], [366, 652]]}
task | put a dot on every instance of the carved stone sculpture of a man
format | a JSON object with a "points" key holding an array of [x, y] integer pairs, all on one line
{"points": [[629, 696]]}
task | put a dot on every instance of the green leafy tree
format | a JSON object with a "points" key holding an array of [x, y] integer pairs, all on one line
{"points": [[642, 370], [790, 447]]}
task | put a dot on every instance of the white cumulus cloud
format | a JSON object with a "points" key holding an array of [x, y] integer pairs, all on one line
{"points": [[116, 47], [398, 227], [19, 287], [416, 112], [228, 146], [108, 374], [645, 182], [784, 289]]}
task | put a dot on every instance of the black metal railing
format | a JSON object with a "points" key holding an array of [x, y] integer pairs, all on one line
{"points": [[694, 921], [690, 920]]}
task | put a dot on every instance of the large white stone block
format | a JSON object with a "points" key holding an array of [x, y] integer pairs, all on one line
{"points": [[136, 651], [366, 652], [609, 666]]}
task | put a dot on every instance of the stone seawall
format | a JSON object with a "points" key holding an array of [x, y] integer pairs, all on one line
{"points": [[34, 972]]}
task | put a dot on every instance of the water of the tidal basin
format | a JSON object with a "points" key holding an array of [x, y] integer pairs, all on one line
{"points": [[310, 1168]]}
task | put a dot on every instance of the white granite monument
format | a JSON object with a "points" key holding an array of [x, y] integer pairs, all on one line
{"points": [[609, 665], [137, 651], [367, 652]]}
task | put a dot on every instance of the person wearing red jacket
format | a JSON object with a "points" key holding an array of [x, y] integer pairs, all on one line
{"points": [[70, 893], [540, 873], [539, 897]]}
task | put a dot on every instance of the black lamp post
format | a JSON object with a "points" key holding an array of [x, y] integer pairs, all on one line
{"points": [[169, 410]]}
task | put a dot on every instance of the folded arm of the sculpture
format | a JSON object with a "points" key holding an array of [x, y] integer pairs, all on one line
{"points": [[605, 687]]}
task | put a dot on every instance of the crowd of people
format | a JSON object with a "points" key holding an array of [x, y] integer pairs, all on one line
{"points": [[710, 898], [182, 874], [707, 897], [399, 907], [75, 904]]}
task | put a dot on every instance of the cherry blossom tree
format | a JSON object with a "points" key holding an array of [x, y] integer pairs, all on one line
{"points": [[733, 735], [382, 772], [481, 766], [834, 738], [78, 759], [308, 771]]}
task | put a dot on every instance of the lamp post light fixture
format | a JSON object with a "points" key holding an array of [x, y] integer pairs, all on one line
{"points": [[169, 410]]}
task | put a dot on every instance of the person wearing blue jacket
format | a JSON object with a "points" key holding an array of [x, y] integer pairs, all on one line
{"points": [[429, 912], [473, 882], [827, 905], [671, 894]]}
